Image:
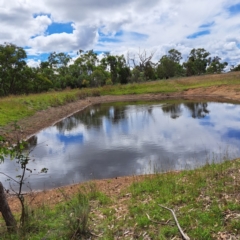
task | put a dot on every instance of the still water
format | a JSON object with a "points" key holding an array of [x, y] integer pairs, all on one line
{"points": [[120, 139]]}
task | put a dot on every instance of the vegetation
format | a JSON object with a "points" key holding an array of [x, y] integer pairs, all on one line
{"points": [[60, 71], [237, 68], [205, 201]]}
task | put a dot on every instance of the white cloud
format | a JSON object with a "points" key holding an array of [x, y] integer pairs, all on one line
{"points": [[166, 24], [33, 63]]}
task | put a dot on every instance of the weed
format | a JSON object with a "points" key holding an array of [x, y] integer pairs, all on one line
{"points": [[93, 194], [81, 95], [55, 101], [95, 93], [77, 220], [69, 98]]}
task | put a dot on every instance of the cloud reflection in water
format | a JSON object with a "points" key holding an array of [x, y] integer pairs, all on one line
{"points": [[112, 140]]}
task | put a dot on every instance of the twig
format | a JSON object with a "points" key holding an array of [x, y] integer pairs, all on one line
{"points": [[95, 235], [9, 177], [64, 194], [117, 185], [162, 223], [185, 236]]}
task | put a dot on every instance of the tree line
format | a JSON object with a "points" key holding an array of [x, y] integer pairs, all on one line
{"points": [[60, 71]]}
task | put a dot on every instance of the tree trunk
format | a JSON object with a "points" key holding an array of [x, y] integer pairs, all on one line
{"points": [[6, 211]]}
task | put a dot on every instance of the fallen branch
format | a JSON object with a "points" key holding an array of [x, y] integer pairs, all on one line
{"points": [[185, 236], [95, 235], [162, 223]]}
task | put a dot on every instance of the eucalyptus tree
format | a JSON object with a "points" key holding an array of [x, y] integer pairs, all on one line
{"points": [[111, 62], [84, 67], [12, 67], [216, 66], [197, 63], [169, 65], [58, 60], [87, 61], [98, 77], [117, 65], [237, 68], [123, 70], [149, 71], [58, 63]]}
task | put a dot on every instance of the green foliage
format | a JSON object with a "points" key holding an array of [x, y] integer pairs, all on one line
{"points": [[98, 78], [197, 62], [169, 65], [135, 76], [216, 66], [237, 68], [12, 69], [61, 72], [108, 82]]}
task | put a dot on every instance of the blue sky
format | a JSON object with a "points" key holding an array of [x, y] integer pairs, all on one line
{"points": [[199, 34], [123, 26], [59, 28]]}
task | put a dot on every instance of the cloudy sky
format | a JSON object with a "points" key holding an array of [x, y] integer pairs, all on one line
{"points": [[45, 26]]}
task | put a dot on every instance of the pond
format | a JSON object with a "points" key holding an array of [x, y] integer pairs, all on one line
{"points": [[120, 139]]}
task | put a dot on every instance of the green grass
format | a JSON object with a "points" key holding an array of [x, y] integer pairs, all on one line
{"points": [[15, 108], [206, 202]]}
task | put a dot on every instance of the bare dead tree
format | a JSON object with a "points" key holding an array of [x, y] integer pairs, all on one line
{"points": [[144, 58]]}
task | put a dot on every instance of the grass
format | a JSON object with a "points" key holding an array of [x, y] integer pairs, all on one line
{"points": [[15, 108], [206, 202]]}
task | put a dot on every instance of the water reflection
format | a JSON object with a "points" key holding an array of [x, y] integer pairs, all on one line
{"points": [[174, 110], [111, 140], [197, 110]]}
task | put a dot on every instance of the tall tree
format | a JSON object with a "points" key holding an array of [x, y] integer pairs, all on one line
{"points": [[216, 66], [169, 65], [123, 70], [117, 65], [58, 63], [144, 58], [237, 68], [197, 62], [12, 66]]}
